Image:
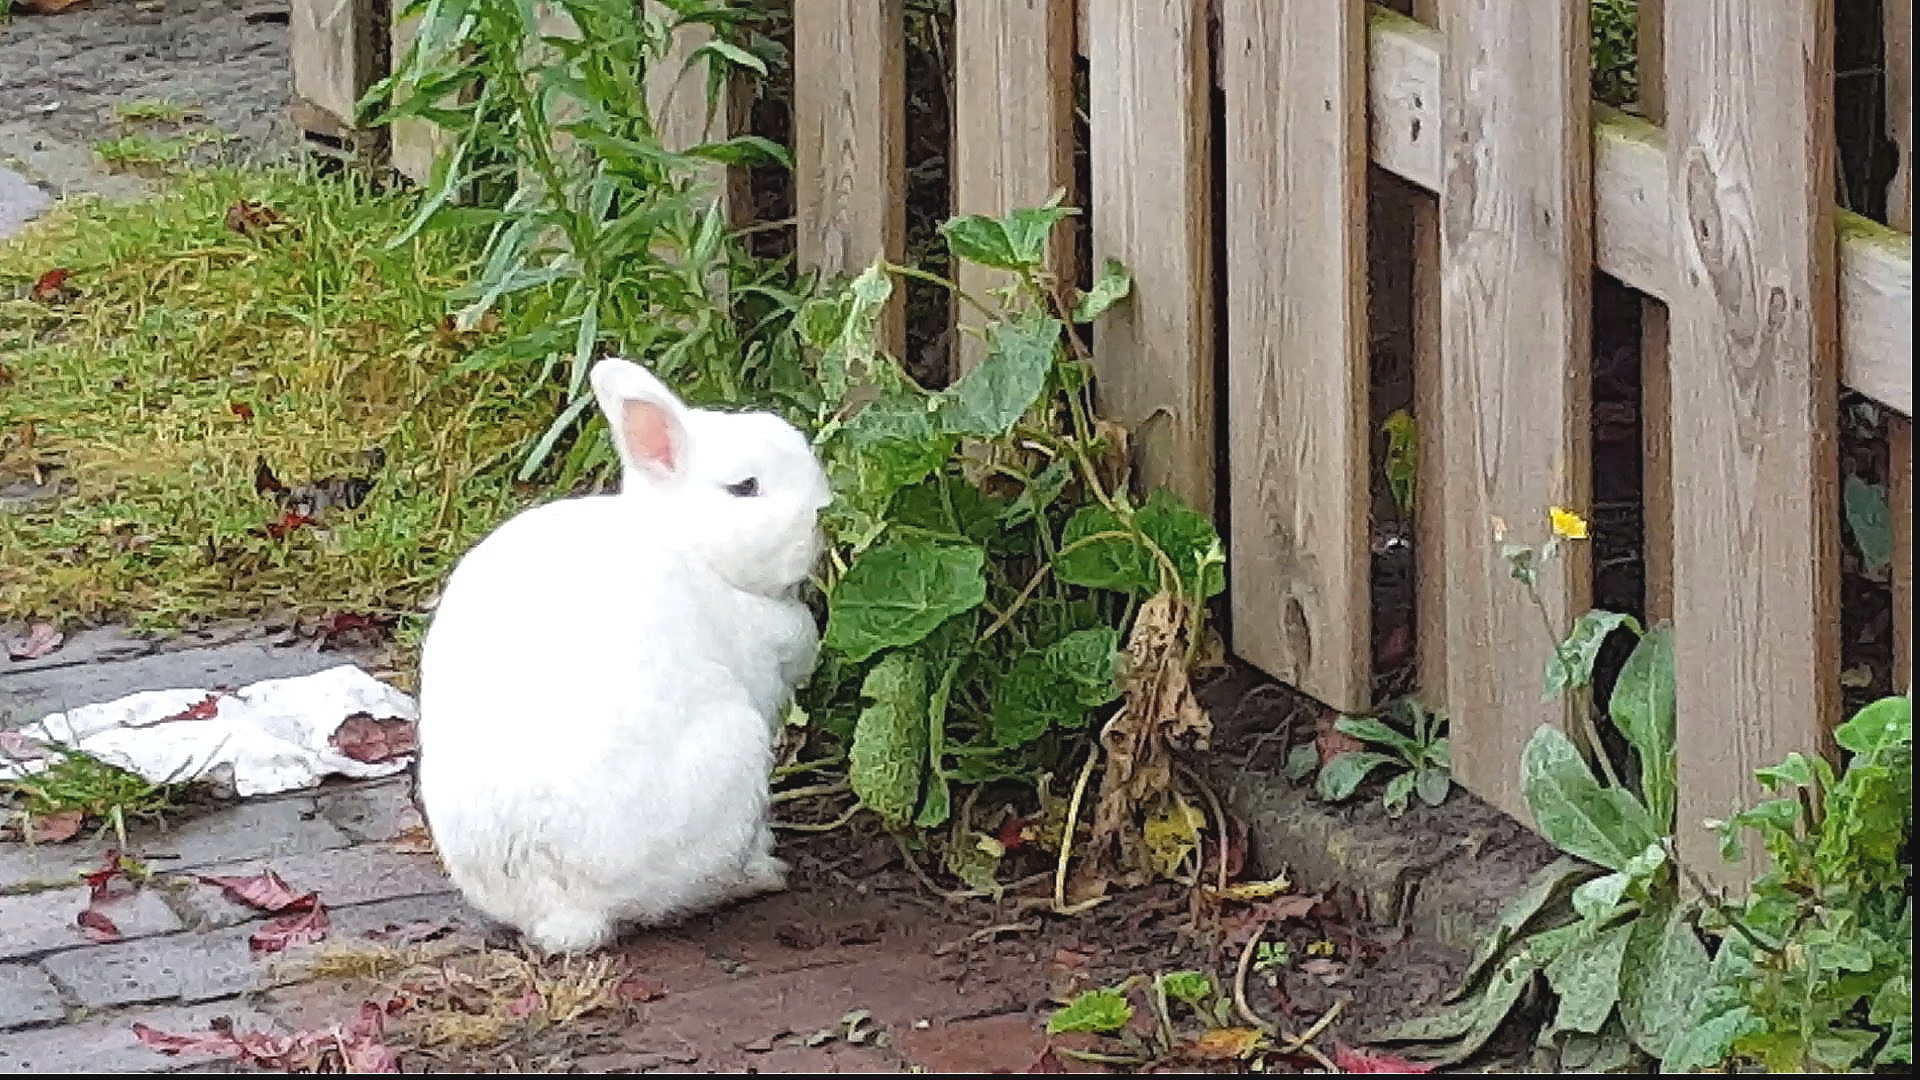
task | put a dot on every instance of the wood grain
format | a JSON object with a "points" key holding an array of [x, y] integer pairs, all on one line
{"points": [[1899, 93], [1297, 414], [1751, 165], [333, 50], [849, 136], [1516, 259], [1429, 405], [1012, 129], [1656, 394], [1150, 159], [1632, 237]]}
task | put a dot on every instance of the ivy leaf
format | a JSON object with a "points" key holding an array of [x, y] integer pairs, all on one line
{"points": [[889, 749], [1039, 493], [893, 443], [1343, 774], [1027, 229], [1109, 288], [1570, 666], [1642, 708], [980, 240], [896, 593], [1605, 825], [1587, 978], [1098, 1011], [1870, 521], [991, 398]]}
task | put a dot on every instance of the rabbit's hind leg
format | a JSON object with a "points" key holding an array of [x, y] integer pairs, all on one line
{"points": [[570, 930]]}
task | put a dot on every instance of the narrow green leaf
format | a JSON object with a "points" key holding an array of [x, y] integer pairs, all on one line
{"points": [[1339, 777], [1643, 709], [1399, 790], [1600, 824], [1870, 521], [1547, 883]]}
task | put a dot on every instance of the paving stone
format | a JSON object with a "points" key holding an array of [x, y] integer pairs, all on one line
{"points": [[39, 922], [107, 1045], [266, 829], [33, 693], [27, 996], [20, 202], [372, 811], [1008, 1044], [342, 877]]}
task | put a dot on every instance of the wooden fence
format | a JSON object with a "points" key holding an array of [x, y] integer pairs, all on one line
{"points": [[1762, 299]]}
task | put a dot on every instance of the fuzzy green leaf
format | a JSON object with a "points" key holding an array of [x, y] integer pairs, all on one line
{"points": [[991, 398], [1098, 1011], [1870, 521], [1666, 973], [1432, 784], [1604, 825], [1399, 790], [895, 594], [1339, 777], [1570, 666], [1587, 978], [1642, 708], [1109, 288], [1546, 884], [889, 751]]}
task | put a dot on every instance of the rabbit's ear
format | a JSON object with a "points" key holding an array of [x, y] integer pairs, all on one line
{"points": [[648, 430]]}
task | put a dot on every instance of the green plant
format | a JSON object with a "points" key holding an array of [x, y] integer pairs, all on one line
{"points": [[1616, 47], [599, 236], [155, 110], [1417, 754], [76, 783], [136, 149], [992, 583]]}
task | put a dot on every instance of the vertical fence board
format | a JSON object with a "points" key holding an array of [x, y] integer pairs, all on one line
{"points": [[1516, 271], [1899, 93], [1656, 391], [333, 51], [677, 95], [849, 134], [413, 144], [1012, 126], [1429, 490], [1149, 157], [1294, 75], [1754, 333]]}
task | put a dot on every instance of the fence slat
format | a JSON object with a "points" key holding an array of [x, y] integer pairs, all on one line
{"points": [[1751, 165], [849, 135], [1516, 269], [1012, 126], [1656, 393], [1149, 155], [333, 50], [1294, 77], [677, 95], [1429, 492], [1899, 93], [413, 144]]}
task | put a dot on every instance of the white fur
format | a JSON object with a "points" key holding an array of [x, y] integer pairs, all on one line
{"points": [[603, 676]]}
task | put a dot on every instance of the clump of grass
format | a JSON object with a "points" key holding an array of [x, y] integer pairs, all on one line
{"points": [[154, 110], [137, 149], [186, 346], [73, 781]]}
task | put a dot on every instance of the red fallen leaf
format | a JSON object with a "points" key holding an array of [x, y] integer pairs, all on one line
{"points": [[248, 218], [264, 482], [640, 988], [1013, 833], [356, 1046], [55, 828], [264, 892], [48, 287], [242, 410], [525, 1005], [1283, 909], [98, 926], [1331, 741], [363, 738], [1363, 1060], [204, 709], [17, 747], [290, 930], [348, 624], [278, 528], [112, 865], [361, 1044], [40, 639]]}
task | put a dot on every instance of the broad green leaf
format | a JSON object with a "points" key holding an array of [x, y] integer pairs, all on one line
{"points": [[1666, 975], [1570, 666], [893, 443], [896, 593], [1194, 988], [1339, 777], [1098, 1011], [1432, 784], [1089, 661], [1608, 1051], [991, 398], [1547, 883], [1878, 726], [1794, 772], [1870, 521], [1642, 708], [1109, 288], [1707, 1043], [1587, 978], [980, 240], [1027, 229], [1399, 790], [1029, 699], [889, 751], [1595, 900], [1376, 731], [934, 503], [1091, 558], [1186, 536], [1603, 825], [1892, 1008]]}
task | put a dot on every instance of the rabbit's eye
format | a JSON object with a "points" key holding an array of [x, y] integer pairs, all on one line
{"points": [[746, 489]]}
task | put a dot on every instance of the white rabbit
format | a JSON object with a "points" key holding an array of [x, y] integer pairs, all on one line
{"points": [[603, 677]]}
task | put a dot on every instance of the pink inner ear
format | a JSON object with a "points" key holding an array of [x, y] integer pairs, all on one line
{"points": [[649, 435]]}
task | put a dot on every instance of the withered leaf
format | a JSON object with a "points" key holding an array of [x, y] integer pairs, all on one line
{"points": [[365, 739], [40, 639]]}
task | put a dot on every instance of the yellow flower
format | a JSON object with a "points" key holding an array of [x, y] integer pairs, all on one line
{"points": [[1567, 523]]}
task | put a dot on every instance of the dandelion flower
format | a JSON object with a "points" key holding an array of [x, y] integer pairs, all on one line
{"points": [[1566, 523]]}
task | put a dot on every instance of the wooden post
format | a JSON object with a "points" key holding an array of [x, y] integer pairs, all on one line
{"points": [[1429, 483], [1656, 393], [336, 52], [1012, 128], [849, 134], [1516, 269], [1899, 67], [1750, 154], [1150, 158], [1298, 447]]}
